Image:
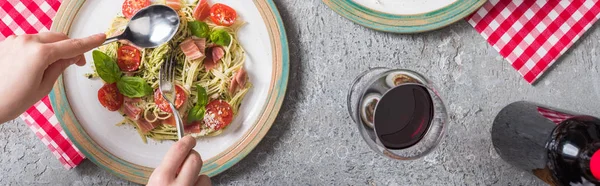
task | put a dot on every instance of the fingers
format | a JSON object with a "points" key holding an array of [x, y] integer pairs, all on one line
{"points": [[81, 61], [54, 70], [180, 166], [176, 155], [190, 169], [51, 37], [70, 48], [203, 180]]}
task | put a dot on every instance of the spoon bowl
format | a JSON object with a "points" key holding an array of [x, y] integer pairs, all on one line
{"points": [[150, 27]]}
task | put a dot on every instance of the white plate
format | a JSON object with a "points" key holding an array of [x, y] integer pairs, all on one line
{"points": [[121, 144], [125, 142], [404, 16], [405, 7]]}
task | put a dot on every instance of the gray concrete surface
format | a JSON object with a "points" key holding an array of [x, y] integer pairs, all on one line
{"points": [[313, 141]]}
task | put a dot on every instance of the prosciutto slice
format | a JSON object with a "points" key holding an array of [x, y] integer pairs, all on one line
{"points": [[200, 43], [216, 53], [134, 113], [193, 128], [175, 4], [190, 49], [238, 81], [233, 86], [146, 126], [131, 109], [241, 76], [202, 10]]}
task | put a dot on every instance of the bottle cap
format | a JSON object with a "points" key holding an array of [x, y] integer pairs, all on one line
{"points": [[595, 164]]}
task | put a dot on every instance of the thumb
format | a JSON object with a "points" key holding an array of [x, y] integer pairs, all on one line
{"points": [[70, 48], [203, 180], [55, 70]]}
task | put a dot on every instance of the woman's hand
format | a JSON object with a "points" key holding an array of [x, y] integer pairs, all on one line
{"points": [[181, 166], [30, 65]]}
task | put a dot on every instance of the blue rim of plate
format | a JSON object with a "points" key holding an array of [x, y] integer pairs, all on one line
{"points": [[225, 160], [413, 23]]}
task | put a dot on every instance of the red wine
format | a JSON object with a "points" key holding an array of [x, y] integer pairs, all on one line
{"points": [[403, 116], [558, 147]]}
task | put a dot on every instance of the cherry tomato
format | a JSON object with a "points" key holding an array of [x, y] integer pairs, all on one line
{"points": [[130, 7], [180, 98], [128, 58], [223, 15], [218, 114], [110, 97], [202, 11]]}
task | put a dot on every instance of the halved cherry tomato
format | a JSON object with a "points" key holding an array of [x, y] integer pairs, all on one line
{"points": [[223, 15], [218, 114], [130, 7], [180, 98], [202, 11], [128, 58], [110, 97]]}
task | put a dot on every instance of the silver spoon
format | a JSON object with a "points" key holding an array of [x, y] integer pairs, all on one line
{"points": [[150, 27]]}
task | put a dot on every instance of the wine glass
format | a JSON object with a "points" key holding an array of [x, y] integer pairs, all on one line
{"points": [[398, 112]]}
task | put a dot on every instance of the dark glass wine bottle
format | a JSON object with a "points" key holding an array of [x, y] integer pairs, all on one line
{"points": [[559, 147]]}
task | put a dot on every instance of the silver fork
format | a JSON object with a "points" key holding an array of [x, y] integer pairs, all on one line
{"points": [[166, 86]]}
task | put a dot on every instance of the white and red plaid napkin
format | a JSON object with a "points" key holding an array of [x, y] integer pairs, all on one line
{"points": [[30, 17], [532, 34], [41, 119]]}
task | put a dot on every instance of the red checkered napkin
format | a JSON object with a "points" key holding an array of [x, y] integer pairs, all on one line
{"points": [[532, 34], [41, 119], [30, 17], [26, 16]]}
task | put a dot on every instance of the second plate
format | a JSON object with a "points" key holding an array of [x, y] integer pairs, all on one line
{"points": [[404, 16]]}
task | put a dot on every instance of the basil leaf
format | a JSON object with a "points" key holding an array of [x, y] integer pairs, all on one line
{"points": [[199, 29], [106, 67], [202, 96], [196, 113], [133, 87], [220, 37]]}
